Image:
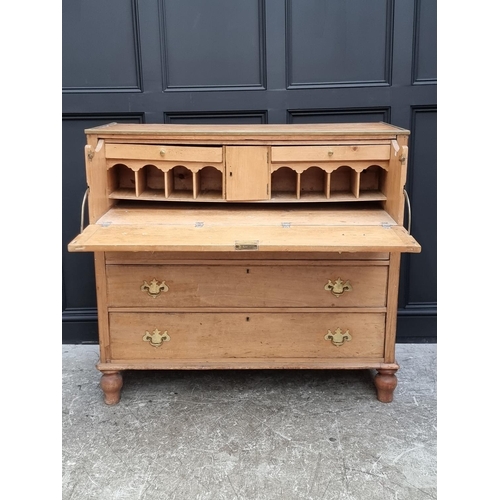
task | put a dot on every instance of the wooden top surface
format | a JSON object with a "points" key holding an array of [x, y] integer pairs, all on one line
{"points": [[245, 214], [318, 230], [252, 130]]}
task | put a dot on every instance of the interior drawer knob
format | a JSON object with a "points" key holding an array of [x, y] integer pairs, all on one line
{"points": [[156, 338], [162, 152], [338, 338], [154, 288], [339, 287]]}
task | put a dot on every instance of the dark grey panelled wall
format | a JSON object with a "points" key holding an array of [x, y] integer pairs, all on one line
{"points": [[252, 61]]}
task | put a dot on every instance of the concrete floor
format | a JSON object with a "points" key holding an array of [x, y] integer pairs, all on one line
{"points": [[247, 435]]}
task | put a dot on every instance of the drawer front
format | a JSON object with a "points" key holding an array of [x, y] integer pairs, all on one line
{"points": [[207, 336], [280, 154], [166, 153], [246, 286]]}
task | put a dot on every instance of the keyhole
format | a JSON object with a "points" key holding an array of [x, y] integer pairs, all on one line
{"points": [[248, 319], [230, 174], [248, 271]]}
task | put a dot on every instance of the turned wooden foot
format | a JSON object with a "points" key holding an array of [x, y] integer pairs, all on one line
{"points": [[385, 383], [111, 384]]}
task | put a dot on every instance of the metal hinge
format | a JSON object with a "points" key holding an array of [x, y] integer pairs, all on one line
{"points": [[286, 224], [199, 224], [386, 225]]}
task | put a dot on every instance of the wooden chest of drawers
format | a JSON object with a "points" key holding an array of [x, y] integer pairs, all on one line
{"points": [[272, 246]]}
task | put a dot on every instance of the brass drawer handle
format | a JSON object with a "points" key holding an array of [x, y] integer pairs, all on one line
{"points": [[154, 288], [339, 287], [162, 152], [338, 338], [156, 338]]}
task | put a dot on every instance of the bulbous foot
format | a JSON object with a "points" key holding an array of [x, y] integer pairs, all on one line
{"points": [[111, 384], [385, 383]]}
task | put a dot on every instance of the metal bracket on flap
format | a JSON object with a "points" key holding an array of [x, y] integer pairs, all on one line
{"points": [[407, 199], [82, 214]]}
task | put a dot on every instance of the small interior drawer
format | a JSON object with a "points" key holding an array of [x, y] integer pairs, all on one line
{"points": [[280, 154], [205, 154]]}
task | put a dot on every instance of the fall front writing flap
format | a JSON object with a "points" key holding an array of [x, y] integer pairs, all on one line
{"points": [[158, 230]]}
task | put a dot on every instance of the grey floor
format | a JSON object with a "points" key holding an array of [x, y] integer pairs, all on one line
{"points": [[249, 434]]}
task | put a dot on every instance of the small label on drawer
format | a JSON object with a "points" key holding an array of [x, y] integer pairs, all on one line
{"points": [[246, 245]]}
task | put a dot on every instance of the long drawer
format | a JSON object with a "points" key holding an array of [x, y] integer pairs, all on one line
{"points": [[336, 285], [167, 153], [207, 336], [281, 154]]}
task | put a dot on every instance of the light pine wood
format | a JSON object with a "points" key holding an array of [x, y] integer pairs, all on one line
{"points": [[102, 305], [248, 131], [331, 166], [248, 226], [150, 238], [292, 154], [169, 182], [284, 182], [396, 179], [392, 308], [252, 214], [222, 259], [249, 364], [211, 183], [268, 310], [244, 258], [246, 286], [163, 166], [97, 180], [327, 184], [140, 182], [247, 173], [263, 140], [355, 183], [164, 153], [196, 184], [239, 335], [312, 183]]}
